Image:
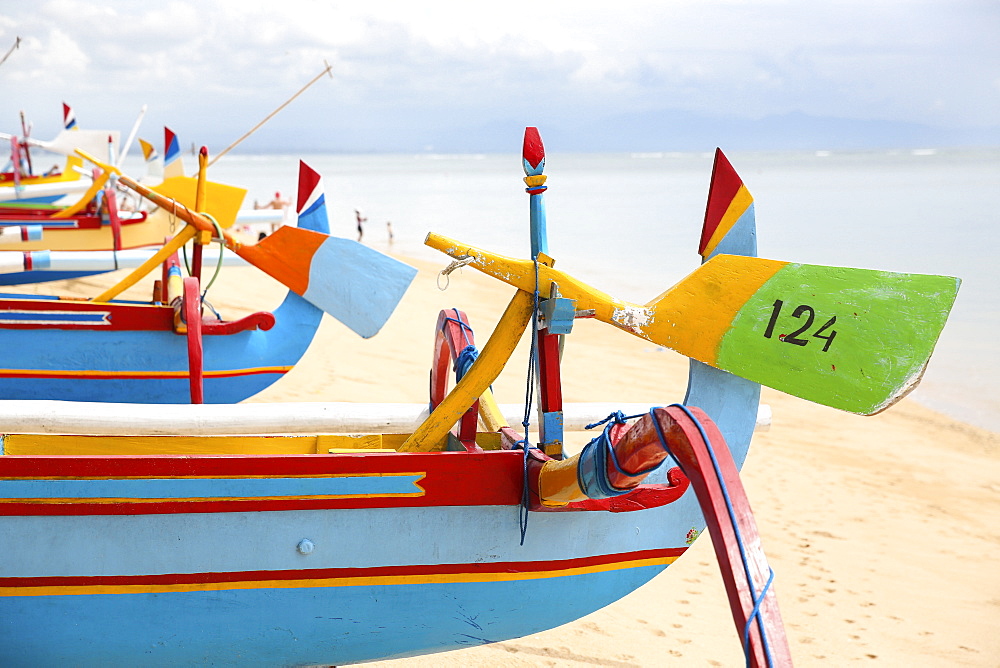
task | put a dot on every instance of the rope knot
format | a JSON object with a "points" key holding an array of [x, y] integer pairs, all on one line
{"points": [[457, 263]]}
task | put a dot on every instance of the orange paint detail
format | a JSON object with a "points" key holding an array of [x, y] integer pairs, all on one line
{"points": [[285, 255]]}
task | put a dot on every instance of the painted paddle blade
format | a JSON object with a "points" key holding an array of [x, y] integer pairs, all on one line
{"points": [[355, 284], [223, 201], [358, 286], [854, 339]]}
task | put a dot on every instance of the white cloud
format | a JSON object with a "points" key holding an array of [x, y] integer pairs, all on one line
{"points": [[222, 64]]}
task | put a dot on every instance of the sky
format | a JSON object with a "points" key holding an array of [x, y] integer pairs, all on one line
{"points": [[462, 76]]}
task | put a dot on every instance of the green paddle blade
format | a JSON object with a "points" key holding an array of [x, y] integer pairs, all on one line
{"points": [[854, 339]]}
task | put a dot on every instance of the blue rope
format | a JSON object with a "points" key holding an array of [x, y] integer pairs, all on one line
{"points": [[591, 474], [465, 327], [464, 361], [469, 354], [757, 599]]}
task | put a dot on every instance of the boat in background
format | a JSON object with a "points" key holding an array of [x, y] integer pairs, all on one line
{"points": [[22, 183], [162, 351]]}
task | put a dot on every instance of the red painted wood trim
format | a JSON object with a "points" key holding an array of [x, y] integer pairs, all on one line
{"points": [[214, 327], [450, 340], [111, 202], [692, 451], [197, 253], [196, 355], [449, 479], [123, 317], [549, 372]]}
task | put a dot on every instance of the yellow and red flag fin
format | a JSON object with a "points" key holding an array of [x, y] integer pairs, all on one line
{"points": [[729, 216]]}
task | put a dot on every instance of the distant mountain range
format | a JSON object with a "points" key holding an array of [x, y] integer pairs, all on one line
{"points": [[681, 131], [635, 132]]}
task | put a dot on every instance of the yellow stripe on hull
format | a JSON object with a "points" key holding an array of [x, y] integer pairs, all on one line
{"points": [[88, 373], [369, 581]]}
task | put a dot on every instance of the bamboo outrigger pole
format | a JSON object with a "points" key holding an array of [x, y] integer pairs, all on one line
{"points": [[17, 43], [271, 115]]}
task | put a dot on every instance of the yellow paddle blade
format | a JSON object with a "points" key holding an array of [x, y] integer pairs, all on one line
{"points": [[222, 201]]}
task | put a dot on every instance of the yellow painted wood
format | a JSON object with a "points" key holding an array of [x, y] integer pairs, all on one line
{"points": [[342, 451], [557, 482], [490, 413], [222, 201], [82, 203], [693, 316], [348, 442], [200, 201], [483, 372], [677, 319], [140, 272], [150, 232], [60, 444]]}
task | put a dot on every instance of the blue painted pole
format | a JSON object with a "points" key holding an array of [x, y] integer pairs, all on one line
{"points": [[547, 342], [533, 157]]}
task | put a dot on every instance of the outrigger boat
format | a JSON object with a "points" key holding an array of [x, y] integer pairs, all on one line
{"points": [[112, 350], [22, 184], [170, 550], [96, 222]]}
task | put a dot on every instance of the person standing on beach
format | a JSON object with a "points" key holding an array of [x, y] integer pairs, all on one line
{"points": [[277, 203], [388, 229], [361, 222]]}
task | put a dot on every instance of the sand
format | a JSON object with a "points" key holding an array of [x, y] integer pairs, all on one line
{"points": [[882, 531]]}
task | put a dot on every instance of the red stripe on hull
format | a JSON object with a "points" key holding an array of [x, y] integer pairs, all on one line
{"points": [[123, 317], [450, 479]]}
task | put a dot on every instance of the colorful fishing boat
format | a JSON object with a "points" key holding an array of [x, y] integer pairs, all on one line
{"points": [[124, 351], [97, 221], [337, 549], [22, 183]]}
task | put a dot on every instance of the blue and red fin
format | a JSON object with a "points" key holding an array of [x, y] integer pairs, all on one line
{"points": [[311, 202], [172, 165], [69, 118], [729, 215]]}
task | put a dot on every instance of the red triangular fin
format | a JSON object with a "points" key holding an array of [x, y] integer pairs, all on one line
{"points": [[308, 181]]}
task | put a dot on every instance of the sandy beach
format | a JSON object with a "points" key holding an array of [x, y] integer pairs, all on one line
{"points": [[882, 531]]}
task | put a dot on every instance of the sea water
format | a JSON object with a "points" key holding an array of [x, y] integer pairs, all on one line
{"points": [[629, 224]]}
